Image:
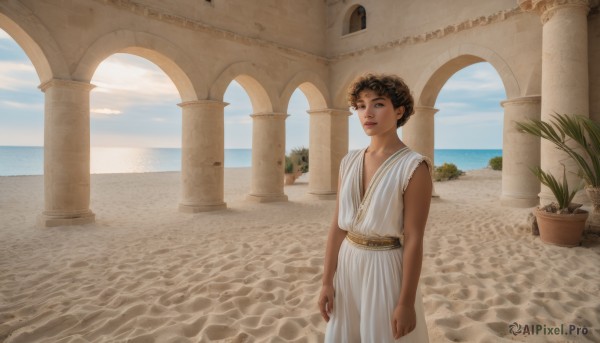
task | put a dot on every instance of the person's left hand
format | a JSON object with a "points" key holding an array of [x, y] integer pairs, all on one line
{"points": [[404, 320]]}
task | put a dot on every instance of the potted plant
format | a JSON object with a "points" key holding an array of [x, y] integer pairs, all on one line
{"points": [[560, 223], [299, 158], [578, 137], [290, 175]]}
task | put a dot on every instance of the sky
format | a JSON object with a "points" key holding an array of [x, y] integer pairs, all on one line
{"points": [[134, 104]]}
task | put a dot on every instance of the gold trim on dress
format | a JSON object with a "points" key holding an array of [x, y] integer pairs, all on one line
{"points": [[379, 174], [373, 243]]}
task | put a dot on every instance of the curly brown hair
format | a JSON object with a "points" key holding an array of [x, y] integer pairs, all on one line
{"points": [[390, 86]]}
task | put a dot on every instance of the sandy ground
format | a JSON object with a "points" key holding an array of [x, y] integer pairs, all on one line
{"points": [[147, 273]]}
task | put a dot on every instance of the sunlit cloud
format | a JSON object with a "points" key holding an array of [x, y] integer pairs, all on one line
{"points": [[491, 117], [480, 77], [238, 120], [107, 111], [22, 105], [127, 75], [451, 105], [132, 95], [135, 104], [470, 114], [473, 85], [16, 75]]}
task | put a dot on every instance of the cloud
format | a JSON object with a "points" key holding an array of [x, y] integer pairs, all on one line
{"points": [[138, 91], [22, 105], [16, 75], [452, 105], [489, 117], [130, 80], [473, 85], [107, 111], [4, 35], [134, 104], [477, 78], [238, 120]]}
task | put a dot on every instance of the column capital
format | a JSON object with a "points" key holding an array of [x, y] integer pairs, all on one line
{"points": [[330, 111], [521, 100], [269, 115], [203, 103], [66, 84], [547, 8], [426, 109]]}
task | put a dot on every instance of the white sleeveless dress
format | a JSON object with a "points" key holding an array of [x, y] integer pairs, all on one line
{"points": [[367, 283]]}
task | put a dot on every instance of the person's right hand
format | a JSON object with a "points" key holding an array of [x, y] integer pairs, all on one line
{"points": [[326, 301]]}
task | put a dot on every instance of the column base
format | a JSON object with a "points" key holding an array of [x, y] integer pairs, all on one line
{"points": [[196, 208], [323, 195], [519, 202], [54, 220], [266, 197]]}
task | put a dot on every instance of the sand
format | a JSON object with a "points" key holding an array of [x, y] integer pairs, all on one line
{"points": [[147, 273]]}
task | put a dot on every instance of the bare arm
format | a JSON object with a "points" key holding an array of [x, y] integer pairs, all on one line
{"points": [[417, 199], [334, 241]]}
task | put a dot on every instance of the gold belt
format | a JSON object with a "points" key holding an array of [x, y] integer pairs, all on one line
{"points": [[373, 243]]}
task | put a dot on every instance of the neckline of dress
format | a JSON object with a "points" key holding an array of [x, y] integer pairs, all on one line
{"points": [[376, 174]]}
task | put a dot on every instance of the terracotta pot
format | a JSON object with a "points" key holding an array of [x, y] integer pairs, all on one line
{"points": [[564, 230], [290, 178], [594, 195]]}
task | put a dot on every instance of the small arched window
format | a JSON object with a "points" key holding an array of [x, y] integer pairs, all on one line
{"points": [[357, 20]]}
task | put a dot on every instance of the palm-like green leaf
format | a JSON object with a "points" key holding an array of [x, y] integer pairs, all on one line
{"points": [[560, 190], [564, 128]]}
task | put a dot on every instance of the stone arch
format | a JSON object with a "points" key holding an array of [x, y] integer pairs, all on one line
{"points": [[340, 99], [246, 74], [355, 19], [167, 56], [39, 46], [534, 80], [311, 85], [441, 69]]}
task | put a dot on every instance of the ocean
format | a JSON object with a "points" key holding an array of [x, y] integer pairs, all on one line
{"points": [[17, 160]]}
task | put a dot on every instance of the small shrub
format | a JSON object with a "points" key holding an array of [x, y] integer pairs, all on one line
{"points": [[446, 171], [299, 158], [496, 163], [289, 165]]}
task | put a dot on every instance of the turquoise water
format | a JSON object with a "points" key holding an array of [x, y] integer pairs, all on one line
{"points": [[465, 159], [30, 160]]}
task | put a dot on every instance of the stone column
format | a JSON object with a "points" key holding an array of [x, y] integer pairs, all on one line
{"points": [[520, 152], [419, 134], [564, 75], [328, 144], [66, 153], [268, 157], [202, 156]]}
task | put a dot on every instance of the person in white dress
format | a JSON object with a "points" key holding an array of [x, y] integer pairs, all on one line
{"points": [[374, 250]]}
